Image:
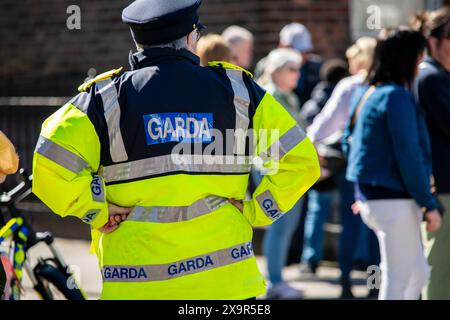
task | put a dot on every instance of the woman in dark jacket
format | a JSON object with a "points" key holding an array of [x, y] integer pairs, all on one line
{"points": [[390, 163], [432, 91]]}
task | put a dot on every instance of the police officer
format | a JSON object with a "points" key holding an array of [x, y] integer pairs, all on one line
{"points": [[157, 161]]}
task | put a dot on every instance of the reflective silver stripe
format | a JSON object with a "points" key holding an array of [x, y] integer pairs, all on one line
{"points": [[81, 101], [241, 104], [60, 155], [90, 216], [166, 164], [176, 214], [111, 107], [285, 143], [269, 206], [98, 193], [160, 272]]}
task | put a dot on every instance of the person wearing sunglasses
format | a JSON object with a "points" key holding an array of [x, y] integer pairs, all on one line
{"points": [[280, 78]]}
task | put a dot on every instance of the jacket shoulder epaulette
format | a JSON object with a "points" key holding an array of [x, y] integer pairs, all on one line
{"points": [[106, 75], [228, 65]]}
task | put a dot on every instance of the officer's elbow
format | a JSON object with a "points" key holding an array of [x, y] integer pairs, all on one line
{"points": [[56, 205], [311, 161]]}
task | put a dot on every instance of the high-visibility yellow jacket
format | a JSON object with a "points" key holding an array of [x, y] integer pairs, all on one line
{"points": [[115, 143]]}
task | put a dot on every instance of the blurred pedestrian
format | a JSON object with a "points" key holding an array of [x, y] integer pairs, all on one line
{"points": [[335, 113], [432, 91], [330, 123], [389, 162], [282, 69], [280, 79], [320, 195], [240, 41], [213, 47], [331, 72], [298, 37]]}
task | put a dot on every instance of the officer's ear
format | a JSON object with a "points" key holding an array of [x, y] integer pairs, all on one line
{"points": [[192, 41]]}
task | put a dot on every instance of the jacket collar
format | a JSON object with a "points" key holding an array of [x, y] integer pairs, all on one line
{"points": [[151, 56], [435, 63]]}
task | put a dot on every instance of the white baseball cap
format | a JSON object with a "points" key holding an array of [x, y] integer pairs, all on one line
{"points": [[297, 36]]}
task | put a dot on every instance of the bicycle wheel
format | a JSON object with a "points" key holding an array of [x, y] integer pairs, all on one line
{"points": [[62, 281]]}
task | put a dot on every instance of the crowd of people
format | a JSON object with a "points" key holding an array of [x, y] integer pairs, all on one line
{"points": [[380, 124]]}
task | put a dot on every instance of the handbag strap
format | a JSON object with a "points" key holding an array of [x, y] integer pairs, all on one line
{"points": [[360, 104]]}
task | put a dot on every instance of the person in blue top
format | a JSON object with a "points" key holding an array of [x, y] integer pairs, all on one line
{"points": [[389, 161]]}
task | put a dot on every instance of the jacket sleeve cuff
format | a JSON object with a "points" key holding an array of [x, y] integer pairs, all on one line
{"points": [[249, 211], [97, 218], [430, 205]]}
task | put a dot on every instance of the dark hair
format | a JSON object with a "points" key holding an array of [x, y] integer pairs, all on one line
{"points": [[434, 24], [396, 56], [333, 70]]}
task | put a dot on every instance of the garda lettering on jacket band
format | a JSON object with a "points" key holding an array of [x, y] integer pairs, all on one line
{"points": [[178, 127], [90, 216], [124, 273], [159, 272], [269, 205], [97, 191], [188, 265]]}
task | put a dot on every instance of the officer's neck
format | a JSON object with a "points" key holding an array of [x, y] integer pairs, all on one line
{"points": [[150, 56]]}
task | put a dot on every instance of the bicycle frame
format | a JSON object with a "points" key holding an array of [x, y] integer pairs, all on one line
{"points": [[16, 230], [23, 237]]}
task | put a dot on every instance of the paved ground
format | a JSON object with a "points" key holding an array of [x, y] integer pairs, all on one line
{"points": [[76, 252]]}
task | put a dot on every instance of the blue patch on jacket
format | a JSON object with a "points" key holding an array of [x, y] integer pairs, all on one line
{"points": [[178, 127]]}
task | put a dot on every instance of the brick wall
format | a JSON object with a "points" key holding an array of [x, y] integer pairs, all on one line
{"points": [[327, 21], [39, 56]]}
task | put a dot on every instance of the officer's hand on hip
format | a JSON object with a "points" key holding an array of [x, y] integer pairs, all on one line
{"points": [[116, 216], [238, 204]]}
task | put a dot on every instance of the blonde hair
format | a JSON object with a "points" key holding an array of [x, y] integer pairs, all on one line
{"points": [[362, 51], [213, 47]]}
